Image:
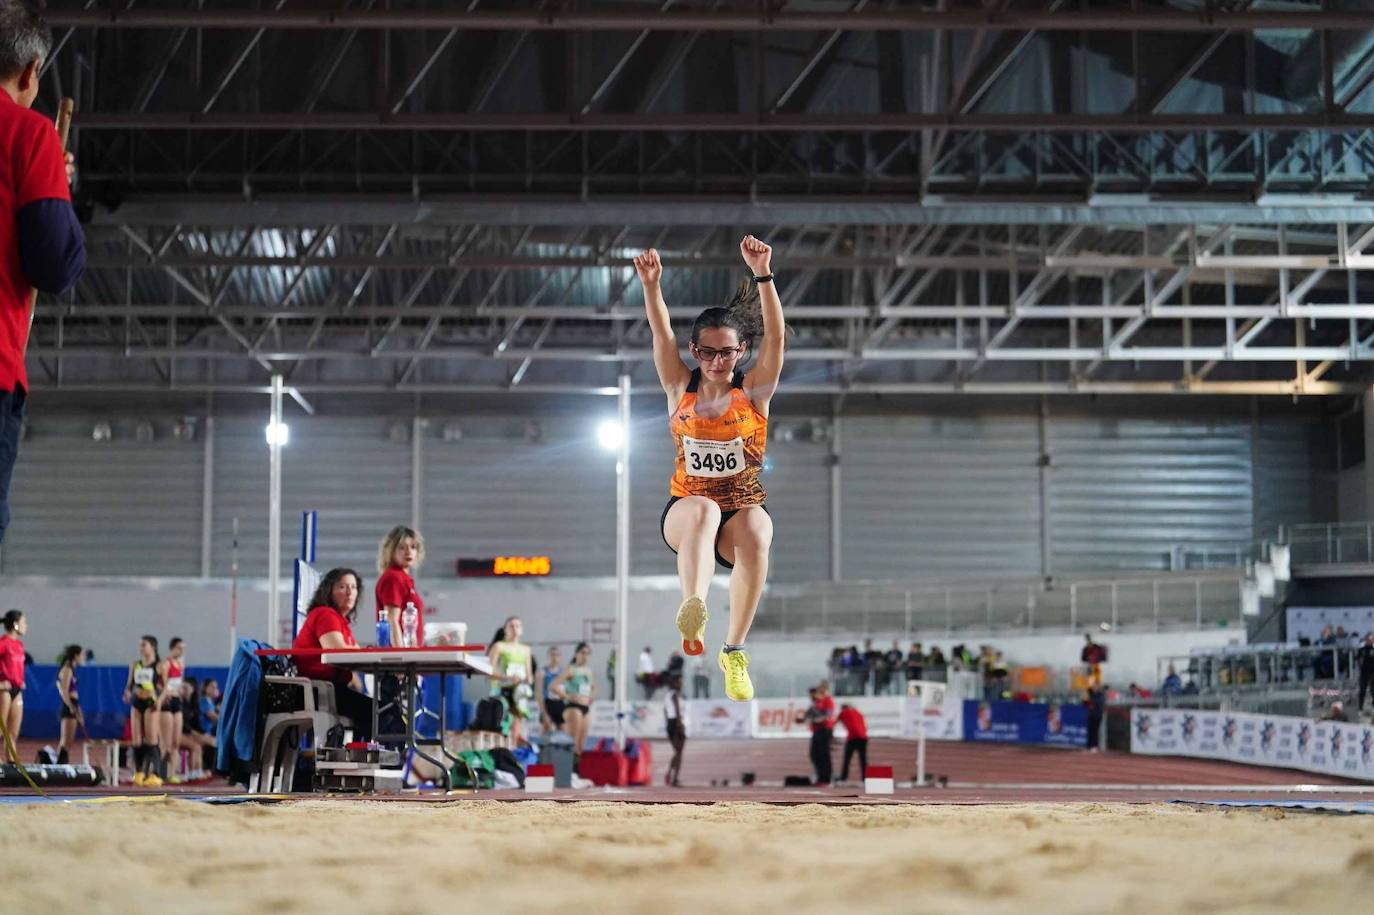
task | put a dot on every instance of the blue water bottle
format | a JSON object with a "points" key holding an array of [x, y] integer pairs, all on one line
{"points": [[384, 632]]}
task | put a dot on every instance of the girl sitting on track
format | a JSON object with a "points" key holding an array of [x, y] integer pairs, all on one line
{"points": [[512, 673], [333, 608], [141, 691], [194, 740], [718, 417], [170, 669], [69, 692], [576, 686], [16, 625]]}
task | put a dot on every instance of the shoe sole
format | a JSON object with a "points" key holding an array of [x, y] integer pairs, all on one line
{"points": [[691, 624]]}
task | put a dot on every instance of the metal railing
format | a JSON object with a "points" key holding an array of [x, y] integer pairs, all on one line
{"points": [[1239, 668], [1329, 544], [1165, 601]]}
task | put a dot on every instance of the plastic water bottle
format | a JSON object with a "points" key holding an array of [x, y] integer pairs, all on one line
{"points": [[384, 632], [410, 620]]}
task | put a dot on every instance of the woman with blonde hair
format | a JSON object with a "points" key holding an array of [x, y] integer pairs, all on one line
{"points": [[401, 552]]}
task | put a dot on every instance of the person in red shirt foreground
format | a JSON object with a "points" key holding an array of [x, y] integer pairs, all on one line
{"points": [[855, 741], [328, 625], [821, 716], [41, 243]]}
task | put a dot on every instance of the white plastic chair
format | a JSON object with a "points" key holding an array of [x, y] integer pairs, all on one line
{"points": [[281, 733]]}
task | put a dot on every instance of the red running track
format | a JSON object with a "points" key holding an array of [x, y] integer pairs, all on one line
{"points": [[976, 774]]}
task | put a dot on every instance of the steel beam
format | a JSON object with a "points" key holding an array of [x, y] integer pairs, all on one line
{"points": [[765, 19]]}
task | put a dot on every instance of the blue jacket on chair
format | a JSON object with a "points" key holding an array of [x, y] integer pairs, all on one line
{"points": [[238, 717]]}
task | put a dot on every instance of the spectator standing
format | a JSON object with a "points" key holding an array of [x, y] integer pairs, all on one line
{"points": [[872, 668], [577, 688], [610, 672], [1097, 707], [512, 673], [1364, 656], [701, 681], [893, 663], [1094, 655], [41, 239], [855, 740], [69, 691], [1173, 683], [646, 672], [16, 625], [915, 662], [675, 717], [550, 706]]}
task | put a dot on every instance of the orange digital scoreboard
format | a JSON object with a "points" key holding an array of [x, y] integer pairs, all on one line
{"points": [[506, 566]]}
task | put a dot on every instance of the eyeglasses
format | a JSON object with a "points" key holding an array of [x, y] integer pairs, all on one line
{"points": [[706, 354]]}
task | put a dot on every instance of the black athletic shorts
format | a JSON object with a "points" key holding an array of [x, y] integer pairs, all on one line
{"points": [[66, 713], [724, 517], [173, 706], [554, 708], [142, 703], [16, 692], [584, 709]]}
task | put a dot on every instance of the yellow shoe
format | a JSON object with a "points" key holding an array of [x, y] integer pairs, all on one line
{"points": [[691, 622], [139, 778], [152, 781], [735, 664]]}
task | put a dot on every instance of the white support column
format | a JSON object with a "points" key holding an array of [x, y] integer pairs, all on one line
{"points": [[274, 521], [836, 502], [417, 444], [207, 498], [622, 562]]}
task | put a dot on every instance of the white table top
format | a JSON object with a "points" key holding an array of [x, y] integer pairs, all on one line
{"points": [[436, 660]]}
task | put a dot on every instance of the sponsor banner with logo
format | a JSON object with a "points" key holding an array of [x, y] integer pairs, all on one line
{"points": [[642, 719], [886, 716], [1025, 722], [718, 719], [778, 717], [1327, 747], [944, 721]]}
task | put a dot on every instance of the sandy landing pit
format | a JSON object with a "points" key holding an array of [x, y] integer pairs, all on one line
{"points": [[322, 856]]}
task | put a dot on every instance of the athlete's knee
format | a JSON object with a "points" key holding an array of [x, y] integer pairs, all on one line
{"points": [[701, 511]]}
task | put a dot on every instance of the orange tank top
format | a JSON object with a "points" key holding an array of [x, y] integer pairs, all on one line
{"points": [[721, 457]]}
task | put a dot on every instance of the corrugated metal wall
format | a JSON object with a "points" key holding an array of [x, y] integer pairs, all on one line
{"points": [[1295, 475], [922, 496], [939, 496], [1125, 491], [81, 507]]}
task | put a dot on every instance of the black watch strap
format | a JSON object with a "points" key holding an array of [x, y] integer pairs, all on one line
{"points": [[764, 279]]}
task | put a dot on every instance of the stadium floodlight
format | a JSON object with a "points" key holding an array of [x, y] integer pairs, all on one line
{"points": [[278, 434], [611, 435]]}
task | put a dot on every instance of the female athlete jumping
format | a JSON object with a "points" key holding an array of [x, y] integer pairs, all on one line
{"points": [[718, 417]]}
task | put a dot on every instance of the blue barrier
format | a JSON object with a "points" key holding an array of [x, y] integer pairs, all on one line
{"points": [[102, 699], [1025, 722]]}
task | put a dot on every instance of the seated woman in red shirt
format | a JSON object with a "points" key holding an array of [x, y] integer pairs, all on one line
{"points": [[332, 610]]}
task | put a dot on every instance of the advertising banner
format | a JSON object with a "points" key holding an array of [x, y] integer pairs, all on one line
{"points": [[1026, 722], [1327, 747]]}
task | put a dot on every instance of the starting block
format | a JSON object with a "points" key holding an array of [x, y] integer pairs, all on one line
{"points": [[539, 778], [878, 780]]}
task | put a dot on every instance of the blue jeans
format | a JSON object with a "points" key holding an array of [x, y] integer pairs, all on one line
{"points": [[11, 419]]}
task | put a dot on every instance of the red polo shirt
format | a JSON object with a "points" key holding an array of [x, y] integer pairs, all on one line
{"points": [[32, 167], [322, 619], [395, 588], [854, 725]]}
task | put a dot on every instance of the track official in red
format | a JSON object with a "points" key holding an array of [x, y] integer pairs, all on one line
{"points": [[41, 244]]}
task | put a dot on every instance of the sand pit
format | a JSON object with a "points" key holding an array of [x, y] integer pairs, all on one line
{"points": [[318, 856]]}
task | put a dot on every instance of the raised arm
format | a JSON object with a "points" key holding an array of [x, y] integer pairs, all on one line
{"points": [[762, 380], [673, 373]]}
